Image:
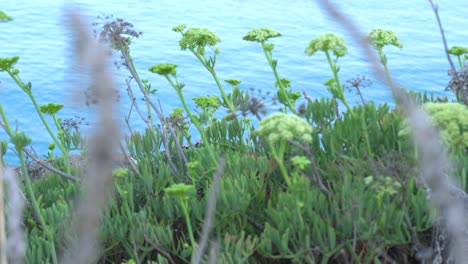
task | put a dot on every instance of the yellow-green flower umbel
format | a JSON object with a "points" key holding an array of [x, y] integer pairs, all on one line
{"points": [[327, 42], [283, 127], [278, 129], [383, 37], [452, 121]]}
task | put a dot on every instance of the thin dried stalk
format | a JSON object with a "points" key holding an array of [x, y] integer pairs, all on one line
{"points": [[210, 212], [3, 240], [102, 146], [15, 244], [433, 161]]}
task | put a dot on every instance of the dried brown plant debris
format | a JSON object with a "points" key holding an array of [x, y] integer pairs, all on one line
{"points": [[102, 146]]}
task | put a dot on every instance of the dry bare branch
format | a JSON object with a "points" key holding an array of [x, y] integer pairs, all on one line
{"points": [[3, 258], [14, 245], [210, 213], [102, 145]]}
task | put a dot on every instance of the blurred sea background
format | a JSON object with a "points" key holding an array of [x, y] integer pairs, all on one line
{"points": [[39, 35]]}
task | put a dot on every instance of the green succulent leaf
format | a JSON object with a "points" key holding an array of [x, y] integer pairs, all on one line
{"points": [[192, 165], [3, 148], [269, 47]]}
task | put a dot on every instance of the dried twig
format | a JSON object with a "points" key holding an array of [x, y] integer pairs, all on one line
{"points": [[313, 165], [15, 245], [3, 258], [156, 246], [210, 213], [102, 145], [435, 8], [135, 76]]}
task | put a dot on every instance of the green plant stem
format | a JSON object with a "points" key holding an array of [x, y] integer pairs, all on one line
{"points": [[189, 223], [366, 135], [275, 72], [148, 106], [24, 87], [203, 60], [45, 228], [460, 62], [337, 80], [195, 122], [278, 156], [29, 188]]}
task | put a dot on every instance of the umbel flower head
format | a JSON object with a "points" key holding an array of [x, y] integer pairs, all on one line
{"points": [[452, 121], [281, 127], [197, 38], [382, 37], [458, 50], [261, 34], [50, 108], [327, 42], [180, 190], [164, 69], [6, 64]]}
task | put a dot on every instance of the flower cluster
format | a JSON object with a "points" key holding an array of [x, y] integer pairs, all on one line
{"points": [[452, 121], [279, 127], [458, 50], [164, 69], [197, 39], [382, 37], [207, 101], [6, 64], [261, 34], [180, 190], [50, 108], [327, 42]]}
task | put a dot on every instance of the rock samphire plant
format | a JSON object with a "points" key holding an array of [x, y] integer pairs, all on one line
{"points": [[311, 183]]}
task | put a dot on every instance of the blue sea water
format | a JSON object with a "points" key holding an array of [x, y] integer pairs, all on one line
{"points": [[38, 34]]}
